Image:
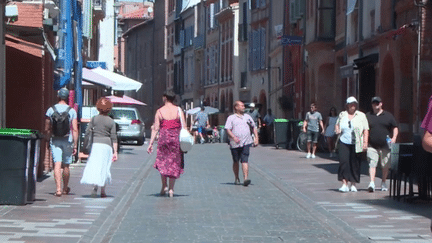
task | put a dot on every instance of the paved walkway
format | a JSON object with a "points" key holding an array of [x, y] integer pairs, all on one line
{"points": [[291, 199]]}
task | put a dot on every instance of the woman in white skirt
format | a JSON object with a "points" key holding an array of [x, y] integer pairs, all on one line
{"points": [[104, 148]]}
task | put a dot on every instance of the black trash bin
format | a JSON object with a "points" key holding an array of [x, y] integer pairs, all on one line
{"points": [[280, 132], [296, 126], [19, 157]]}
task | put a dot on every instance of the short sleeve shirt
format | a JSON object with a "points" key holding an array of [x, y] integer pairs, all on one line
{"points": [[380, 126], [427, 121], [240, 128], [202, 118], [313, 120], [62, 108]]}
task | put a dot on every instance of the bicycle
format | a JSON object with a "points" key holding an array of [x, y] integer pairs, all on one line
{"points": [[302, 142]]}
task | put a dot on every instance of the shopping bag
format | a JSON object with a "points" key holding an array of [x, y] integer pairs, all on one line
{"points": [[186, 139]]}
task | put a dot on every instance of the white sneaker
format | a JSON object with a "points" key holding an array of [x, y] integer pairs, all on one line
{"points": [[308, 155], [344, 188], [353, 188], [371, 187], [313, 156], [384, 187]]}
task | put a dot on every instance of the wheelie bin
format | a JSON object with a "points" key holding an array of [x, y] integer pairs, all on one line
{"points": [[223, 136], [19, 157], [296, 128], [280, 132]]}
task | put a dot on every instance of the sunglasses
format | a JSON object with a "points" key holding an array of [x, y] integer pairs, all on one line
{"points": [[349, 124]]}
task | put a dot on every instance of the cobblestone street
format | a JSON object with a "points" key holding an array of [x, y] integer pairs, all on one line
{"points": [[290, 199]]}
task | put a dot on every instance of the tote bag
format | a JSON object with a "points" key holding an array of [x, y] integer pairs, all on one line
{"points": [[88, 139], [186, 139]]}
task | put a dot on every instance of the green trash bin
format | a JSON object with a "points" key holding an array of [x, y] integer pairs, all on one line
{"points": [[19, 156], [280, 132]]}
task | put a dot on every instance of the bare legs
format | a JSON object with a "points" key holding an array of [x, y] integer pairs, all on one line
{"points": [[61, 171], [314, 147], [167, 188], [236, 170]]}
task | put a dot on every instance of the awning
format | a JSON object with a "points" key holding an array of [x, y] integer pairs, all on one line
{"points": [[109, 79], [366, 60], [94, 78], [120, 82], [126, 100]]}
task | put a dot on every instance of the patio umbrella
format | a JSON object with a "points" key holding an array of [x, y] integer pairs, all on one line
{"points": [[207, 109], [126, 100]]}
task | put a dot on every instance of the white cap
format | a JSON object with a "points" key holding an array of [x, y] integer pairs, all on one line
{"points": [[252, 105], [351, 99]]}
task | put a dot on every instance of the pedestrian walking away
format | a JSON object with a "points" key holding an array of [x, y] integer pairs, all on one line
{"points": [[203, 123], [311, 125], [382, 125], [354, 129], [269, 124], [330, 130], [238, 127], [169, 158], [61, 127], [104, 149]]}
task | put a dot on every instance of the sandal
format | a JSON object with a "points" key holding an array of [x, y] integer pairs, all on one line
{"points": [[58, 194], [66, 192]]}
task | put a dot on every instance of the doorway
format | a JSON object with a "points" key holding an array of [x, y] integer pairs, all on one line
{"points": [[366, 87]]}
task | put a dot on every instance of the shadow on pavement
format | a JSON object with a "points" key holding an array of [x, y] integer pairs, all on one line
{"points": [[42, 178], [166, 195], [333, 168]]}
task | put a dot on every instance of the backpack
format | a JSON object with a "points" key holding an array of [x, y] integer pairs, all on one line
{"points": [[60, 125]]}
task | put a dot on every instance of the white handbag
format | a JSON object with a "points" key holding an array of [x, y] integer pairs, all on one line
{"points": [[186, 139]]}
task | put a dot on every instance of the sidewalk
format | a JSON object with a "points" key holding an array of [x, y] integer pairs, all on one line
{"points": [[70, 217], [313, 182]]}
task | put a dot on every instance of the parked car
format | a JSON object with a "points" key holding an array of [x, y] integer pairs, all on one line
{"points": [[131, 125]]}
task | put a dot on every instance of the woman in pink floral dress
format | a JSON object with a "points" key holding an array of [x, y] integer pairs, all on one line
{"points": [[169, 158]]}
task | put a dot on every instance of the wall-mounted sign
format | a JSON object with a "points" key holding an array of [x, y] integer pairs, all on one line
{"points": [[291, 40], [346, 71], [95, 64]]}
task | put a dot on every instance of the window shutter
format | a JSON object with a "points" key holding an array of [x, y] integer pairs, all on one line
{"points": [[250, 58], [256, 40], [182, 38], [263, 48]]}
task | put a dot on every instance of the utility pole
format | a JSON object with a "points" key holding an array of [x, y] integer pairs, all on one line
{"points": [[69, 59]]}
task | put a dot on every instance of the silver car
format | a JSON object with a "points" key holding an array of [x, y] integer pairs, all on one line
{"points": [[131, 125]]}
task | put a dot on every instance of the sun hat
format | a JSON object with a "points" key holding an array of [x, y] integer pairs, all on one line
{"points": [[252, 105], [351, 99]]}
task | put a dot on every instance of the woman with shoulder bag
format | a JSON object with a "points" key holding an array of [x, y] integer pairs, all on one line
{"points": [[169, 120], [103, 150]]}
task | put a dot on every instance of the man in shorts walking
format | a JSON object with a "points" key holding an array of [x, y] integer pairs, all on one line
{"points": [[311, 127], [238, 127], [382, 124], [203, 123], [62, 147]]}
